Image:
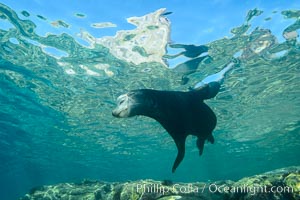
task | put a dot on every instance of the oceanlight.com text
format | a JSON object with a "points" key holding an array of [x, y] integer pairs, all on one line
{"points": [[252, 190], [211, 188]]}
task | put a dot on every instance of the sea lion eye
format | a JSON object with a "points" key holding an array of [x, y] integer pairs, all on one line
{"points": [[122, 101]]}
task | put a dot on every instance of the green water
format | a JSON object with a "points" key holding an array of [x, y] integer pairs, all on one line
{"points": [[57, 126]]}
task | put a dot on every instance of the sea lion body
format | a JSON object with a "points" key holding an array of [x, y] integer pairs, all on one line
{"points": [[180, 113]]}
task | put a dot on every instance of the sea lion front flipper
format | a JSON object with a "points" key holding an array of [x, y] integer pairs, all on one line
{"points": [[180, 143], [200, 145]]}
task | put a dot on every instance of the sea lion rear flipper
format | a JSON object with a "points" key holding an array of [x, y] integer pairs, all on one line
{"points": [[180, 143], [211, 138], [200, 145], [214, 88], [208, 90]]}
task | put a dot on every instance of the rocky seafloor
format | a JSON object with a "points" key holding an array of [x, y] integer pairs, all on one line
{"points": [[278, 184]]}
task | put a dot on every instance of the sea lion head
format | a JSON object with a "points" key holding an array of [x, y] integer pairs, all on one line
{"points": [[133, 103]]}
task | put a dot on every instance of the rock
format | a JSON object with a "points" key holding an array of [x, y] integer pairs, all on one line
{"points": [[279, 184], [293, 181]]}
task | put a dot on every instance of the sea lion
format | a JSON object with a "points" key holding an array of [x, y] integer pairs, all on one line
{"points": [[180, 113]]}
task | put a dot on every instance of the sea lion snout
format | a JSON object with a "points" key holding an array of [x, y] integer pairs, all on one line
{"points": [[115, 113], [125, 103]]}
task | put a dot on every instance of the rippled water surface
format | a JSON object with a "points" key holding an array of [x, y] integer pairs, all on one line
{"points": [[57, 91]]}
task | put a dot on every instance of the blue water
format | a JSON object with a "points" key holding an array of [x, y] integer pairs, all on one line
{"points": [[55, 117]]}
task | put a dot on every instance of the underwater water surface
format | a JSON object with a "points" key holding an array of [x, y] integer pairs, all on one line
{"points": [[58, 88]]}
